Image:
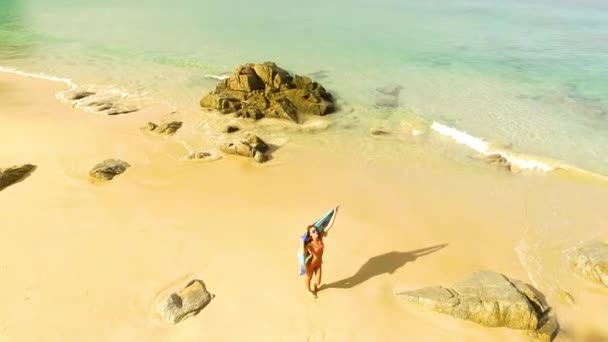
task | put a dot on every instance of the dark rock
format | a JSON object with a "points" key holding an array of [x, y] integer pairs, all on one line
{"points": [[281, 107], [114, 110], [168, 128], [186, 303], [79, 95], [250, 112], [199, 155], [231, 129], [108, 169], [149, 126], [500, 161], [378, 131], [258, 90], [257, 143], [15, 174]]}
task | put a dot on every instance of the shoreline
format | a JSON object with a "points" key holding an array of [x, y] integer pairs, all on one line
{"points": [[79, 265], [477, 147]]}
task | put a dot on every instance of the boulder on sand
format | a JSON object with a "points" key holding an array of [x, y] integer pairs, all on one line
{"points": [[177, 306], [490, 299], [108, 169], [15, 174]]}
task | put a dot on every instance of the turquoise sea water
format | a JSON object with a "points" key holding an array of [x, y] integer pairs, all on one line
{"points": [[530, 74]]}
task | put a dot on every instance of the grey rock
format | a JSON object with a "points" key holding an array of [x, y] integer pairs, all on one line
{"points": [[186, 303], [490, 299], [15, 174], [108, 169], [590, 260]]}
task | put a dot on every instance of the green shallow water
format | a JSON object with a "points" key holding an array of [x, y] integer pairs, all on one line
{"points": [[527, 73]]}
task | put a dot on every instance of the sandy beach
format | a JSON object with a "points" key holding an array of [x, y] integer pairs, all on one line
{"points": [[82, 261]]}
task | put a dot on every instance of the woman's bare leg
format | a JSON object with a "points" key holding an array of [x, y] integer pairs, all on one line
{"points": [[309, 274], [317, 275]]}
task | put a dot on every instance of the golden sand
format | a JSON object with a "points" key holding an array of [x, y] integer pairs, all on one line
{"points": [[81, 261]]}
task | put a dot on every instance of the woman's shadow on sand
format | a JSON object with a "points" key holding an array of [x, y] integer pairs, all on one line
{"points": [[380, 264]]}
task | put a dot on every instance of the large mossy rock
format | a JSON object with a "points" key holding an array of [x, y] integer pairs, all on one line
{"points": [[490, 299], [265, 90], [590, 260], [15, 174]]}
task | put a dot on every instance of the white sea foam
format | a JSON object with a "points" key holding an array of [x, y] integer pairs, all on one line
{"points": [[60, 95], [217, 77], [484, 148], [12, 70]]}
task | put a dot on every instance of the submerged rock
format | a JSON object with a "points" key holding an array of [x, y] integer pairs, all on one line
{"points": [[108, 102], [186, 303], [168, 128], [204, 155], [265, 90], [15, 174], [500, 161], [388, 97], [378, 131], [590, 260], [108, 169], [78, 95], [490, 299]]}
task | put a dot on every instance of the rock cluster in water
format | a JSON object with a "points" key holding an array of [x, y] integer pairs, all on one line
{"points": [[103, 103], [265, 90]]}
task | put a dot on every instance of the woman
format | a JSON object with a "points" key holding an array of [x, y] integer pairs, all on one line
{"points": [[314, 260]]}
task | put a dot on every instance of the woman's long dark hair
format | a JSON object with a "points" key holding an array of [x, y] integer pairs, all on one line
{"points": [[308, 237]]}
